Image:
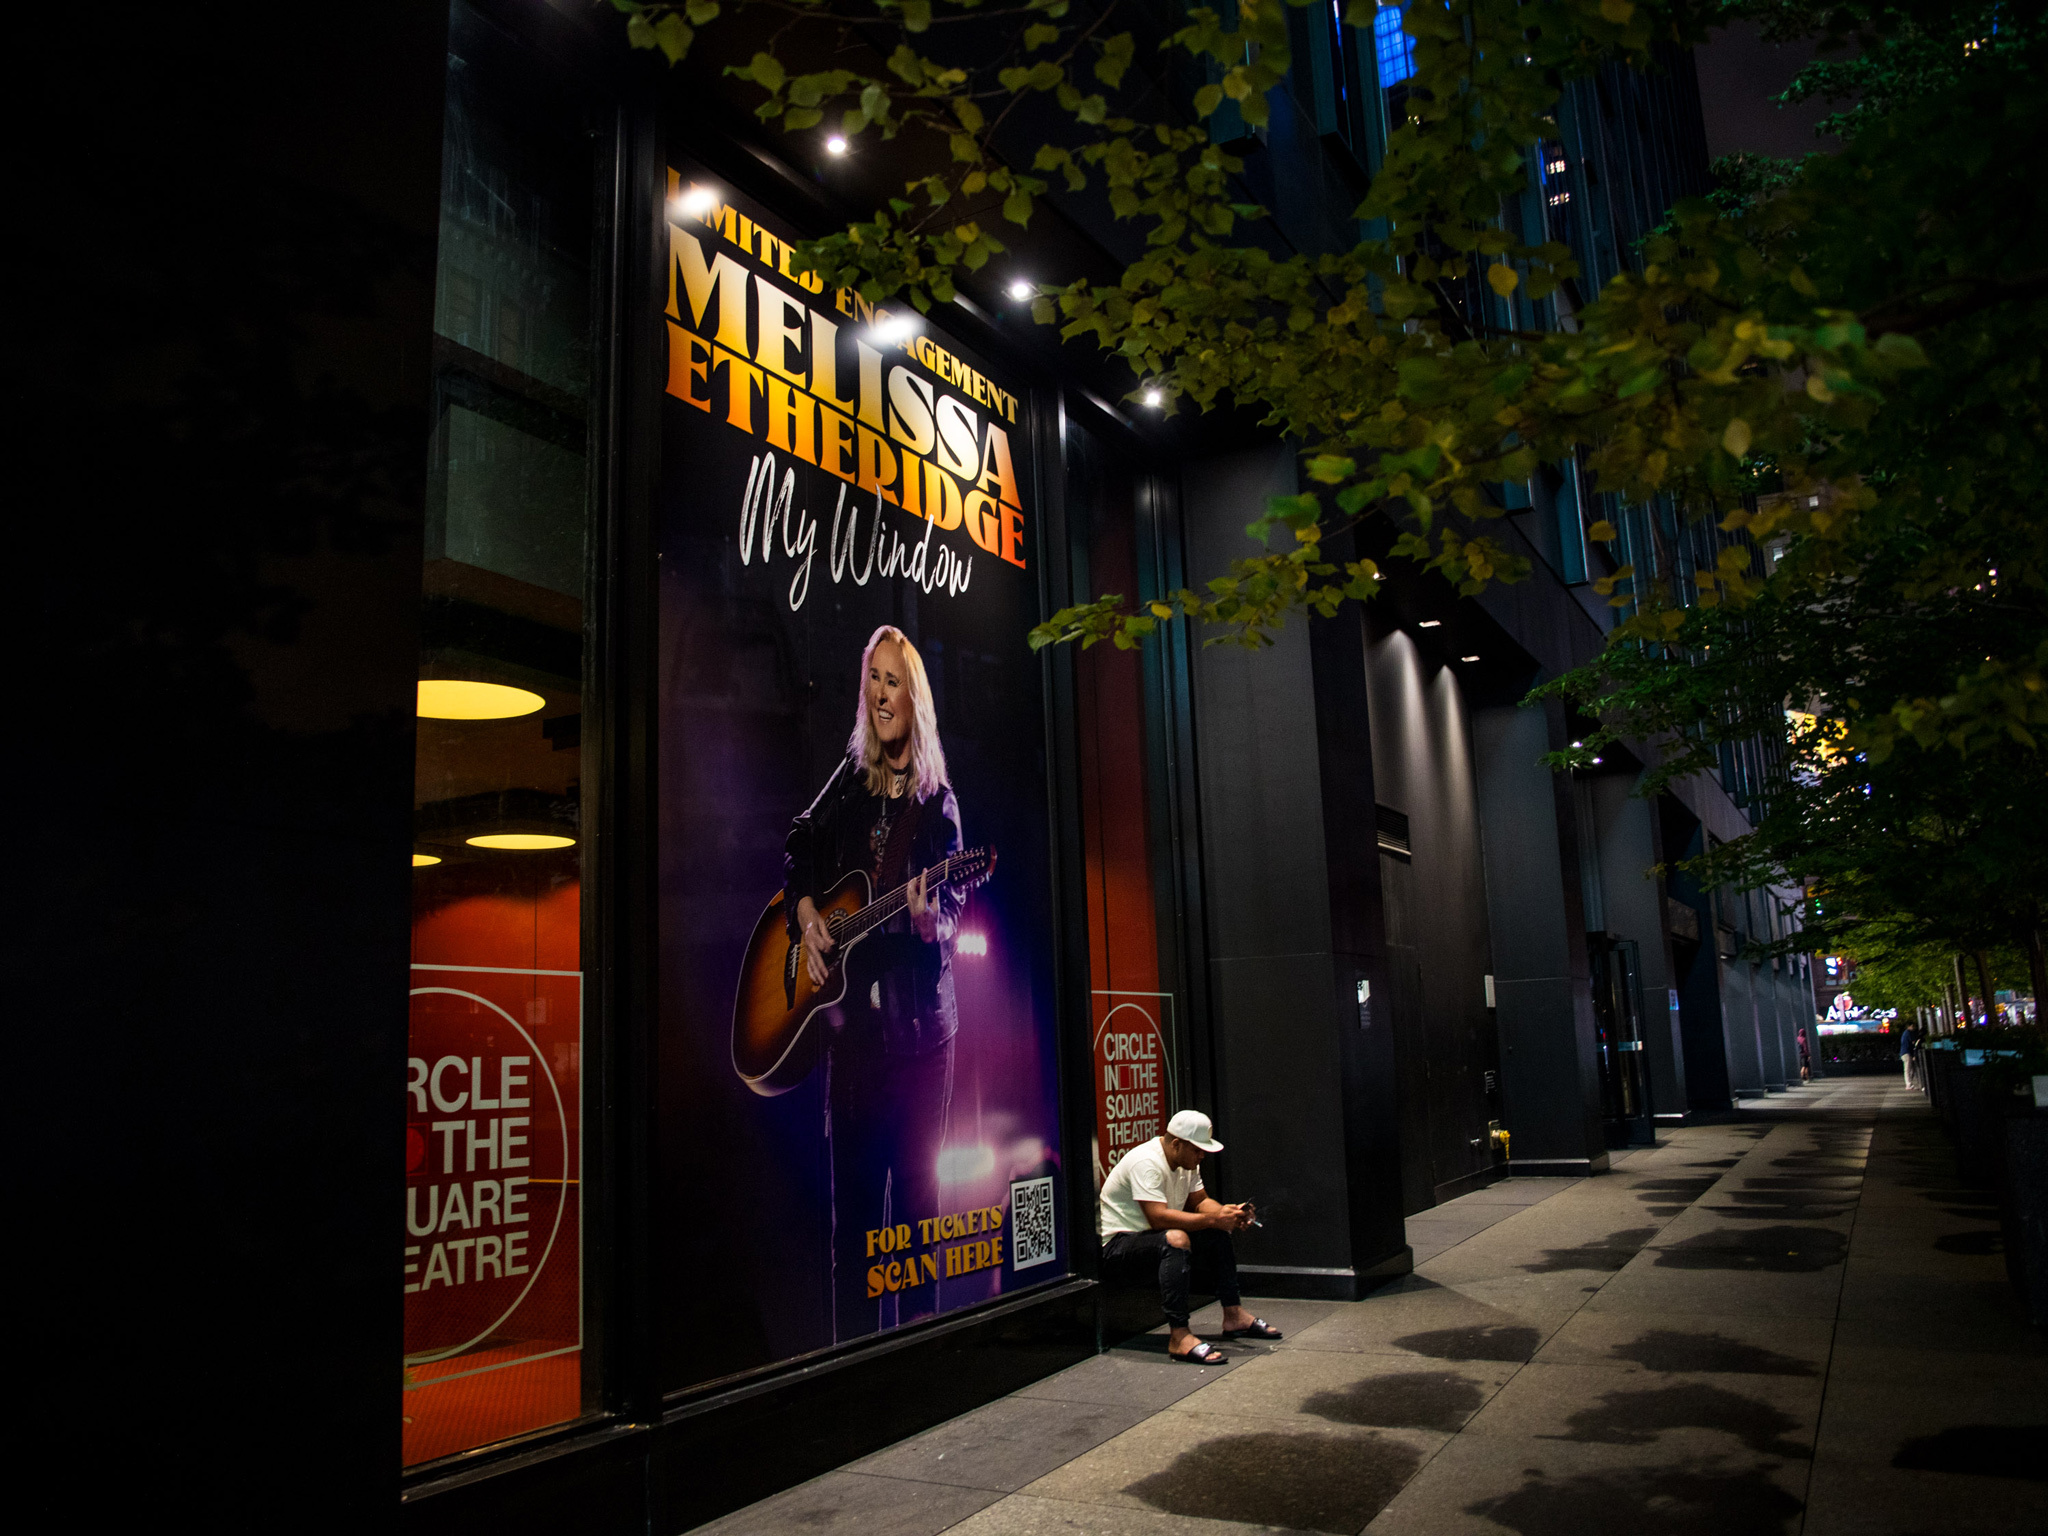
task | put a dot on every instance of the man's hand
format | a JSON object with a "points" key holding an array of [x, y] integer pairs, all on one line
{"points": [[818, 941], [1231, 1218]]}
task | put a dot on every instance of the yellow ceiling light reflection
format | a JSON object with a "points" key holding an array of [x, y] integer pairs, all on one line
{"points": [[520, 840], [447, 698], [422, 860]]}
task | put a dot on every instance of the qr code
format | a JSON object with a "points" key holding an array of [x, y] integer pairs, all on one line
{"points": [[1031, 1239]]}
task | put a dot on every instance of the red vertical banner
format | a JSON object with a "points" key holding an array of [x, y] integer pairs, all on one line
{"points": [[493, 1218], [1133, 1066]]}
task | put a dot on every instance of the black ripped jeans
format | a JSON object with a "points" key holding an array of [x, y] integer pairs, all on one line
{"points": [[1137, 1257]]}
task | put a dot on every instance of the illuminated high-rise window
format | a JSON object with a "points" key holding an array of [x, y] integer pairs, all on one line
{"points": [[1393, 49]]}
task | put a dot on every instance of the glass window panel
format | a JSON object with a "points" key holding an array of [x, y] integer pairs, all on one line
{"points": [[494, 1284], [1393, 49]]}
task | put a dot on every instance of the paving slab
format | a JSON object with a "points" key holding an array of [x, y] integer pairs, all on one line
{"points": [[1004, 1445], [849, 1502], [1025, 1514], [1122, 1379], [1288, 1472], [1676, 1483], [1715, 1414], [1372, 1391], [1671, 1342]]}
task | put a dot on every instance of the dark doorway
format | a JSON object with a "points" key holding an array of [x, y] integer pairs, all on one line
{"points": [[1625, 1107]]}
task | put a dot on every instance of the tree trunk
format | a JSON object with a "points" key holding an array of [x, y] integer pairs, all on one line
{"points": [[1984, 982], [1962, 993]]}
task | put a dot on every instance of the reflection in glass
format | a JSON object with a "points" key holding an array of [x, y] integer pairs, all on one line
{"points": [[493, 1209]]}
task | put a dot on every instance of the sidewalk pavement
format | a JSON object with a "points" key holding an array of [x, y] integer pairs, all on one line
{"points": [[1795, 1322]]}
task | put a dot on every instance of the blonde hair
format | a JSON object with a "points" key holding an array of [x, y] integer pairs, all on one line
{"points": [[864, 746]]}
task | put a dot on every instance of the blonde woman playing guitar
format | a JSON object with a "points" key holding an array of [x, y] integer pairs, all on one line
{"points": [[888, 812]]}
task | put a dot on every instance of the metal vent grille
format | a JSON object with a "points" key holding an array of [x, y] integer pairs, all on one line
{"points": [[1392, 827]]}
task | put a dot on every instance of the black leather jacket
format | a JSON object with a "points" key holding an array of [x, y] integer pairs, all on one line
{"points": [[899, 991]]}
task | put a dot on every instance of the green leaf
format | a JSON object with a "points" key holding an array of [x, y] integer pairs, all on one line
{"points": [[701, 11], [917, 15], [1115, 60], [675, 36], [1648, 378], [1208, 99], [766, 70], [1900, 351], [798, 118]]}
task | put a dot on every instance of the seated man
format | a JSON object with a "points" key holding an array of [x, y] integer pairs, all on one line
{"points": [[1156, 1217]]}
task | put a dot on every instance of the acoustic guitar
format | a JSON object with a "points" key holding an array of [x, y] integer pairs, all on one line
{"points": [[773, 1047]]}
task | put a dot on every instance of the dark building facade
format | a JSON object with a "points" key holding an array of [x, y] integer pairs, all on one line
{"points": [[488, 488]]}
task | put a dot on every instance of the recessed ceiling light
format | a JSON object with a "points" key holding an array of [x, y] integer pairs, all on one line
{"points": [[835, 145], [1429, 623], [1468, 658], [1596, 759], [520, 840], [1153, 397], [422, 860], [447, 698], [1021, 289]]}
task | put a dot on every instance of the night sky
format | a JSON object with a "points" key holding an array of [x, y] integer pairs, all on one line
{"points": [[1739, 74]]}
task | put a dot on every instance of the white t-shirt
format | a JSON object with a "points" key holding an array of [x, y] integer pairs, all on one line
{"points": [[1143, 1173]]}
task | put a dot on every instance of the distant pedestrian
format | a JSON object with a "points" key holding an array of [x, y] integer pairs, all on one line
{"points": [[1909, 1055], [1805, 1057]]}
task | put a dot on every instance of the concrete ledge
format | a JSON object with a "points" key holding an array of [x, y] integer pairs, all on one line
{"points": [[1297, 1282], [1557, 1167]]}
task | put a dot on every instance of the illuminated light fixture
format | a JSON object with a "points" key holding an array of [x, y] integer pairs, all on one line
{"points": [[892, 329], [1021, 289], [520, 840], [1596, 759], [1578, 743], [696, 202], [836, 145], [1153, 397], [1429, 623], [1468, 658], [447, 698], [971, 944], [422, 860]]}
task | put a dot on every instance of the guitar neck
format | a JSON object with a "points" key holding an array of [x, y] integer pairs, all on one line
{"points": [[882, 908]]}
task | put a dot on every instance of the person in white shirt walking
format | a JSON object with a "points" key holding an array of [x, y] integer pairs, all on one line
{"points": [[1157, 1220]]}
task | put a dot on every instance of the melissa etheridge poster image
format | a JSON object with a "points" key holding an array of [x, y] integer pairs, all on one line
{"points": [[862, 1130]]}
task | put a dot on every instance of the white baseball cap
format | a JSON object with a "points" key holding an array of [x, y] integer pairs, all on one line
{"points": [[1192, 1125]]}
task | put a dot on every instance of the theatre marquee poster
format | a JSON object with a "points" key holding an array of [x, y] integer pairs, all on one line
{"points": [[860, 1130]]}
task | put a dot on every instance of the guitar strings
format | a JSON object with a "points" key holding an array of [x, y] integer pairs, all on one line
{"points": [[881, 911]]}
